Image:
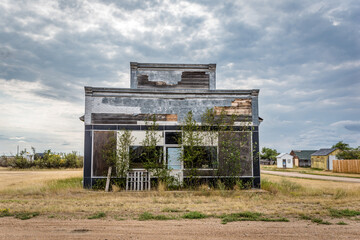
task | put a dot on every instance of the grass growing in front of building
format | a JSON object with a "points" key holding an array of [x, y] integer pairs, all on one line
{"points": [[249, 216], [282, 198], [26, 215], [97, 215], [194, 215], [149, 216]]}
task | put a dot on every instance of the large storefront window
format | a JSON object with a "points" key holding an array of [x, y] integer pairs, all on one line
{"points": [[206, 157], [139, 156]]}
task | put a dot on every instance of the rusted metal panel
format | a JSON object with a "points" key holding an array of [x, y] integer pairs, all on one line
{"points": [[101, 138]]}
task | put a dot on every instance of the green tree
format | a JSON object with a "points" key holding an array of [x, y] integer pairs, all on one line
{"points": [[123, 155], [153, 155], [349, 154], [116, 154], [268, 153], [342, 146], [190, 140]]}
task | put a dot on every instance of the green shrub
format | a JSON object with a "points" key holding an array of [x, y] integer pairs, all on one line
{"points": [[4, 161], [248, 216], [320, 221], [338, 213], [5, 213], [305, 217], [97, 215], [26, 215], [194, 215], [21, 162], [148, 216], [341, 223]]}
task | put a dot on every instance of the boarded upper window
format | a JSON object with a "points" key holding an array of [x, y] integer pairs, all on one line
{"points": [[187, 80]]}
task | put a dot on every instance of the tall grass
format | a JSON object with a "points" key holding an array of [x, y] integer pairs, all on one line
{"points": [[73, 183], [284, 186]]}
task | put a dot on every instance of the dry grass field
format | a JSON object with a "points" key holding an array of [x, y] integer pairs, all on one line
{"points": [[58, 196], [309, 171]]}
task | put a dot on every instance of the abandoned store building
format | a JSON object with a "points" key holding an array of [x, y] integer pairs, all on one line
{"points": [[166, 94]]}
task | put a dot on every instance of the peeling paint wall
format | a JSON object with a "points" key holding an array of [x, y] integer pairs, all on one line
{"points": [[136, 105], [179, 76]]}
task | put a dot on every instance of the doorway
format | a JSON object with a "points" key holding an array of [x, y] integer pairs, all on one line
{"points": [[173, 158]]}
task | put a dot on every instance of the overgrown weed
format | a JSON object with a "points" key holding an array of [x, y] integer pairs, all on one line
{"points": [[339, 213], [194, 215], [5, 213], [249, 216], [26, 215], [97, 215], [320, 221], [341, 223], [149, 216], [171, 210]]}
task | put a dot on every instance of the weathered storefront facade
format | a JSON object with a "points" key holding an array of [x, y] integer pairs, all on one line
{"points": [[168, 92]]}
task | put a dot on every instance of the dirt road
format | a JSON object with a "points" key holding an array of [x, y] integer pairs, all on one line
{"points": [[302, 175], [44, 228]]}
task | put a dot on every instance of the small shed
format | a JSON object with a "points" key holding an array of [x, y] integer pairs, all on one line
{"points": [[323, 158], [284, 160], [302, 158]]}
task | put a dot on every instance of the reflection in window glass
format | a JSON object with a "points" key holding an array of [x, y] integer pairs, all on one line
{"points": [[206, 157], [172, 137], [173, 158], [139, 156]]}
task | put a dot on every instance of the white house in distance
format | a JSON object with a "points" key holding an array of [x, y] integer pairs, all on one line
{"points": [[284, 160]]}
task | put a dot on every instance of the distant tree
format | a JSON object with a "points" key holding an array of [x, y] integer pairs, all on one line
{"points": [[349, 154], [342, 146], [268, 153]]}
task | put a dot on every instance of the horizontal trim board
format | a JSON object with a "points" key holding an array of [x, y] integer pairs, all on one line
{"points": [[160, 127], [89, 91]]}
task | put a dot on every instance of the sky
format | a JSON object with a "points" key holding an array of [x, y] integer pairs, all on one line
{"points": [[304, 56]]}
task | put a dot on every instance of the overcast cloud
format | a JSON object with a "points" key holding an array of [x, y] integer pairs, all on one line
{"points": [[304, 56]]}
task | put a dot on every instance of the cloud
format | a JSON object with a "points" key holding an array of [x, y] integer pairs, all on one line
{"points": [[302, 55], [348, 124], [17, 138]]}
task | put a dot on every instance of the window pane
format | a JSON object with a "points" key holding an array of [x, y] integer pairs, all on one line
{"points": [[200, 157], [173, 158], [139, 155], [172, 137]]}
